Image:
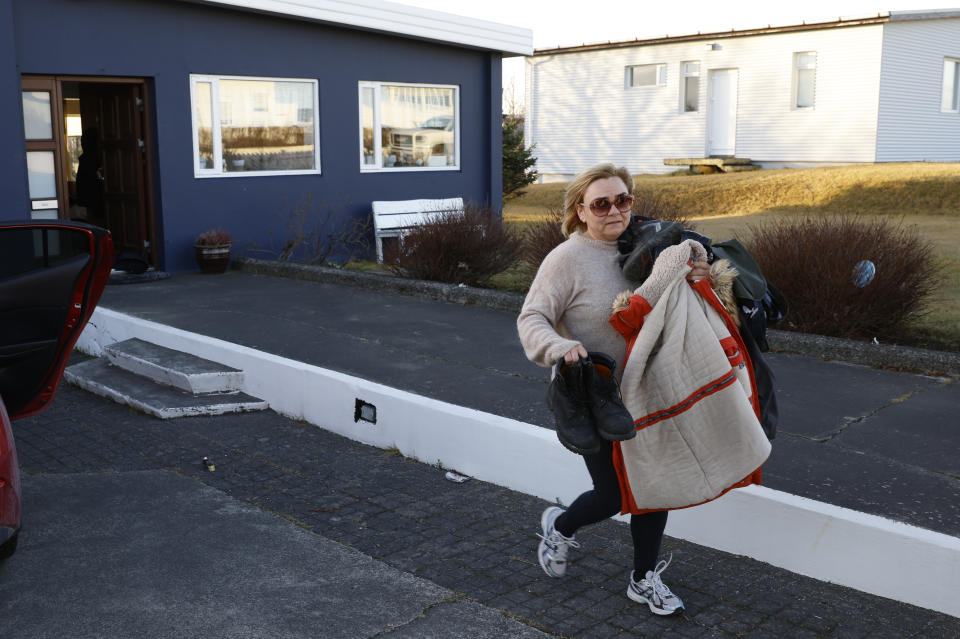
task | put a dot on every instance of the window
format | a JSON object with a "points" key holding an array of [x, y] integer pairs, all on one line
{"points": [[254, 126], [691, 86], [409, 127], [804, 79], [950, 101], [647, 75]]}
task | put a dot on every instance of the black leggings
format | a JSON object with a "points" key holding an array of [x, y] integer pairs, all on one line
{"points": [[603, 502]]}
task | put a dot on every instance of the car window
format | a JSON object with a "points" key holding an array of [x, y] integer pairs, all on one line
{"points": [[23, 250]]}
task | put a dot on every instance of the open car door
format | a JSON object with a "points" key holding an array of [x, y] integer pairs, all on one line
{"points": [[52, 274]]}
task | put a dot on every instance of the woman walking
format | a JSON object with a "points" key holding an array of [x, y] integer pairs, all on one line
{"points": [[565, 314]]}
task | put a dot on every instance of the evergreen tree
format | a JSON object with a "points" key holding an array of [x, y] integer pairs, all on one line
{"points": [[518, 160]]}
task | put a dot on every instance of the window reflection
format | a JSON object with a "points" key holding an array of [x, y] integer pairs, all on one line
{"points": [[37, 120], [266, 125], [418, 126]]}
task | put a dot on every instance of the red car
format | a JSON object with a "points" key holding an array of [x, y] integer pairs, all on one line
{"points": [[52, 274]]}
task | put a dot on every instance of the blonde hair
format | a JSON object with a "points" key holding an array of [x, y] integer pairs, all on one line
{"points": [[573, 195]]}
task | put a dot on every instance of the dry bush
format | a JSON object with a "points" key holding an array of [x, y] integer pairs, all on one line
{"points": [[655, 206], [317, 234], [468, 248], [812, 261], [539, 238]]}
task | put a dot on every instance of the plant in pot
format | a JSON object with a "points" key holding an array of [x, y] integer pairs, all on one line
{"points": [[212, 250]]}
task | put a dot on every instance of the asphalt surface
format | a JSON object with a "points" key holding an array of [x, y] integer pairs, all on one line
{"points": [[302, 533], [876, 441]]}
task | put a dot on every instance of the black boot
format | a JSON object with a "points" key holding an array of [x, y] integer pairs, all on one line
{"points": [[567, 398], [613, 421]]}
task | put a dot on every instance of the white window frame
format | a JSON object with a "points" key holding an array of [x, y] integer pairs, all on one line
{"points": [[797, 67], [684, 74], [217, 170], [661, 76], [378, 137], [955, 98]]}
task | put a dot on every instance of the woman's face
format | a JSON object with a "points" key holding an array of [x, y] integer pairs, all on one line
{"points": [[610, 222]]}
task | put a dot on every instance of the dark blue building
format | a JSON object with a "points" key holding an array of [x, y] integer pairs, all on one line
{"points": [[161, 119]]}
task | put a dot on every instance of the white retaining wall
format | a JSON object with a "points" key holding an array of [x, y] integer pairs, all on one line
{"points": [[869, 553]]}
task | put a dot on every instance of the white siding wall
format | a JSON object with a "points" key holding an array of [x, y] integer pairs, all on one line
{"points": [[911, 126], [580, 112]]}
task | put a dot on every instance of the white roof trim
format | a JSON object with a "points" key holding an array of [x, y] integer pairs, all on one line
{"points": [[396, 19], [926, 14]]}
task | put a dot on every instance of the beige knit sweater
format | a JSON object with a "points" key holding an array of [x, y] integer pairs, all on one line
{"points": [[569, 302]]}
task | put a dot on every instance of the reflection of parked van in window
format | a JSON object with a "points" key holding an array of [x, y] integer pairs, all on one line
{"points": [[415, 147]]}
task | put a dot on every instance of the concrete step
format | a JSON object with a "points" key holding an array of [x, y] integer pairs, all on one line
{"points": [[738, 168], [102, 378], [174, 368]]}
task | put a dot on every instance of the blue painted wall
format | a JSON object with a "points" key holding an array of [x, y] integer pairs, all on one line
{"points": [[167, 41], [13, 158]]}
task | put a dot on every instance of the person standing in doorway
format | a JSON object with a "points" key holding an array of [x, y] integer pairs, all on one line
{"points": [[90, 178]]}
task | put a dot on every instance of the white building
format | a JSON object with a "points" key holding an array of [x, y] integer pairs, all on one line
{"points": [[879, 89]]}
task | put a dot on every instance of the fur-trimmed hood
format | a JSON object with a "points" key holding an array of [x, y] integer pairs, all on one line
{"points": [[722, 274]]}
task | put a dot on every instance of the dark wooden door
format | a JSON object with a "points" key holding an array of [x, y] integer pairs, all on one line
{"points": [[116, 110]]}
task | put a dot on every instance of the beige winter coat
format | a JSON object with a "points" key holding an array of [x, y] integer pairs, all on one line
{"points": [[688, 384]]}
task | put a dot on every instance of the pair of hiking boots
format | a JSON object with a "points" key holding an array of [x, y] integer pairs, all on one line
{"points": [[586, 403]]}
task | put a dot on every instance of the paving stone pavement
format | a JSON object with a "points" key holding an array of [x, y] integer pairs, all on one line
{"points": [[475, 538]]}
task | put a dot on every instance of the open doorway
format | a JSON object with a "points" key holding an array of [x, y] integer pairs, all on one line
{"points": [[91, 162]]}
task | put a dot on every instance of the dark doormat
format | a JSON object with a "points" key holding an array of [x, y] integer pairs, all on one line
{"points": [[126, 277]]}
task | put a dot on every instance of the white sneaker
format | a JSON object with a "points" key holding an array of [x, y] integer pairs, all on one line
{"points": [[553, 548], [653, 592]]}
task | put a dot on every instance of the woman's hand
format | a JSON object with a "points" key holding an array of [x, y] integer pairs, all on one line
{"points": [[700, 270], [574, 354]]}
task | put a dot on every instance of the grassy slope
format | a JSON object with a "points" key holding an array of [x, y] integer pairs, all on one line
{"points": [[926, 196]]}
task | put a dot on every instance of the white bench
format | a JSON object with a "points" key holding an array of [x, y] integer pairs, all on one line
{"points": [[396, 218]]}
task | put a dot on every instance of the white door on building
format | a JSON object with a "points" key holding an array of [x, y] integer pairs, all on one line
{"points": [[722, 118]]}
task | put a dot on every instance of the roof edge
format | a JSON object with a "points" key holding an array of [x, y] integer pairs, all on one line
{"points": [[924, 14], [716, 35], [395, 19]]}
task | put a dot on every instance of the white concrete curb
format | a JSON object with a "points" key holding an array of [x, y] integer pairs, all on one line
{"points": [[865, 552]]}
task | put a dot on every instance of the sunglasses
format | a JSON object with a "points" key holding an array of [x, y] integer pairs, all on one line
{"points": [[602, 206]]}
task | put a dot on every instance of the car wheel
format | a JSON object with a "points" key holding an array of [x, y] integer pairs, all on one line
{"points": [[9, 547]]}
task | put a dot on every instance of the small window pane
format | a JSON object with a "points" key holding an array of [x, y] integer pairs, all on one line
{"points": [[204, 108], [366, 122], [806, 59], [806, 79], [691, 86], [691, 93], [266, 125], [951, 85], [643, 76], [37, 120], [40, 175], [418, 126]]}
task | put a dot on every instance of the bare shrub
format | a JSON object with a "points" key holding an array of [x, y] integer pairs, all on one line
{"points": [[539, 238], [812, 261], [454, 247], [315, 234], [659, 208]]}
